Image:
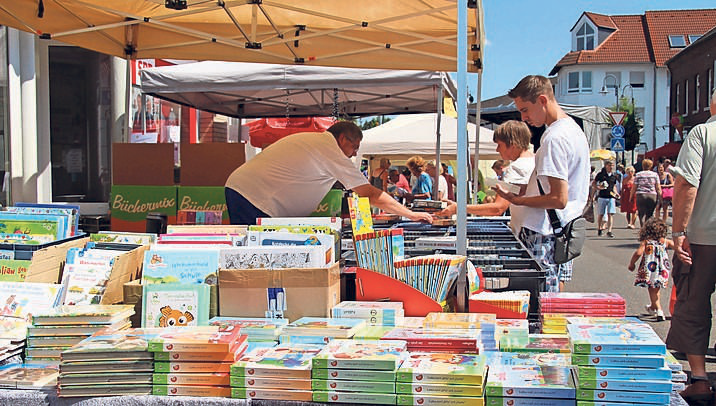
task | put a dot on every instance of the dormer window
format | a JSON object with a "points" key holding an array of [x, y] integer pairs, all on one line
{"points": [[585, 37], [693, 38], [677, 41]]}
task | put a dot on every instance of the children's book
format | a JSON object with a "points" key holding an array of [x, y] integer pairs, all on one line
{"points": [[621, 361], [13, 270], [375, 313], [292, 361], [372, 332], [206, 229], [255, 328], [19, 376], [22, 299], [338, 328], [64, 341], [181, 356], [443, 368], [630, 338], [162, 265], [116, 366], [273, 257], [270, 383], [78, 330], [418, 337], [554, 343], [335, 223], [69, 380], [74, 209], [627, 385], [514, 401], [272, 394], [352, 375], [13, 329], [84, 284], [362, 354], [198, 339], [130, 343], [439, 389], [437, 400], [83, 315], [203, 379], [530, 381], [623, 396], [650, 374], [192, 367], [124, 237], [353, 386], [361, 218], [104, 390], [284, 238], [470, 321], [175, 305], [354, 397], [527, 358]]}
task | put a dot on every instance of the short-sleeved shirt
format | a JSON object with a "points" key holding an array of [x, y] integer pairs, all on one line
{"points": [[423, 184], [291, 176], [518, 173], [645, 182], [611, 179], [442, 186], [697, 164]]}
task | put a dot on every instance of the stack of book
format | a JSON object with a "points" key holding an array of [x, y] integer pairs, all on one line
{"points": [[441, 379], [530, 384], [556, 323], [190, 217], [510, 304], [296, 235], [430, 206], [434, 275], [108, 364], [86, 273], [512, 328], [434, 340], [259, 332], [120, 237], [364, 371], [20, 376], [584, 303], [319, 330], [38, 224], [279, 373], [198, 239], [13, 332], [620, 363], [374, 313], [482, 323], [57, 330], [552, 343], [379, 250], [274, 257], [195, 361], [496, 359]]}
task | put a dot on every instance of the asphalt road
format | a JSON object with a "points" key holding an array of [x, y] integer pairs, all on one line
{"points": [[602, 267]]}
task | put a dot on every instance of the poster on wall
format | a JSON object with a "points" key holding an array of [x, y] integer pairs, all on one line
{"points": [[129, 205]]}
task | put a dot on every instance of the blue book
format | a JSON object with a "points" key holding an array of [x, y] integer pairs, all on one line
{"points": [[626, 338], [652, 374], [622, 361], [623, 396], [175, 305], [181, 266], [627, 385], [75, 207]]}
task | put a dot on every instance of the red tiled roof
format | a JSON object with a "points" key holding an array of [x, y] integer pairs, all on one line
{"points": [[641, 38]]}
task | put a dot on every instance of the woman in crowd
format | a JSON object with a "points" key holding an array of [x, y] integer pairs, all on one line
{"points": [[667, 191], [628, 204], [645, 190], [423, 187], [379, 176]]}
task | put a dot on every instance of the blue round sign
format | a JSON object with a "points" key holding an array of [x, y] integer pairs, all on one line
{"points": [[618, 131]]}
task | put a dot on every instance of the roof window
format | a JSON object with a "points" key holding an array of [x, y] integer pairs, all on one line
{"points": [[693, 38], [677, 41]]}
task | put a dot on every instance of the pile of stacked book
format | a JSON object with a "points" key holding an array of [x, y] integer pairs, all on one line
{"points": [[586, 304], [108, 364], [38, 223], [551, 343], [556, 323], [88, 270], [517, 328], [357, 371], [259, 332], [195, 361], [374, 313], [619, 362], [481, 323], [58, 329], [279, 373], [510, 304], [21, 376], [530, 384], [441, 379], [13, 331], [319, 330], [430, 206], [434, 340]]}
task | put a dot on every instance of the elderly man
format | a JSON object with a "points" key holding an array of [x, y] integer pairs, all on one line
{"points": [[290, 177], [694, 234]]}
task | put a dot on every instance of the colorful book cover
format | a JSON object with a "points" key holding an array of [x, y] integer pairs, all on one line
{"points": [[623, 396], [19, 376], [362, 354], [79, 330], [84, 284], [40, 228], [83, 314], [353, 386], [198, 339], [284, 238], [428, 400], [551, 343], [273, 257], [254, 328], [353, 375], [443, 368], [181, 266], [130, 340], [581, 297], [339, 328], [627, 385], [372, 332], [270, 383], [621, 361], [513, 401], [175, 305], [192, 367], [651, 374], [530, 381], [470, 321], [23, 299], [355, 397], [376, 313], [335, 223], [13, 270], [13, 328], [124, 238], [199, 391], [637, 338], [180, 356], [527, 358], [284, 339], [419, 337], [121, 366], [73, 208], [361, 216], [272, 394], [206, 379], [292, 361], [438, 389]]}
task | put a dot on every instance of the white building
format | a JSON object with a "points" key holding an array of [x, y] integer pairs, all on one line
{"points": [[627, 53]]}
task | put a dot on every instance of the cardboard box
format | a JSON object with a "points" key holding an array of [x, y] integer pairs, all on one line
{"points": [[127, 267], [133, 296], [310, 292], [48, 262]]}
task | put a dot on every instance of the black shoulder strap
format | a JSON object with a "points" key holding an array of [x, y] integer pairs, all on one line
{"points": [[553, 219]]}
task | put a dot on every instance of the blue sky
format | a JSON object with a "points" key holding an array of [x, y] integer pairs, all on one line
{"points": [[529, 37]]}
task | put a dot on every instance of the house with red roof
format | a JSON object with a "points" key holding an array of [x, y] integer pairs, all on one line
{"points": [[625, 56]]}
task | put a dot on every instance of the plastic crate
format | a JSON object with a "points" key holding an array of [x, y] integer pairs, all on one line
{"points": [[26, 251]]}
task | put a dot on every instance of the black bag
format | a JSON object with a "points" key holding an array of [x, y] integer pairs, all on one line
{"points": [[569, 240]]}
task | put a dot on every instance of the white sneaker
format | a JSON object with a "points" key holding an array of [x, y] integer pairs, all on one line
{"points": [[660, 315], [650, 311]]}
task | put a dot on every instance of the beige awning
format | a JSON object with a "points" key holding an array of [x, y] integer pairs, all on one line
{"points": [[382, 34]]}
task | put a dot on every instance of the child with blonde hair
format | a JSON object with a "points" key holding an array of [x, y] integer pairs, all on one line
{"points": [[654, 268]]}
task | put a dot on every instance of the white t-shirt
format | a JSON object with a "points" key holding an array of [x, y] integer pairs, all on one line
{"points": [[563, 154], [290, 177], [442, 187], [518, 173]]}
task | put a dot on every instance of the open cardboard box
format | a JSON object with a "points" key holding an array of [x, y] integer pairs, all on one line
{"points": [[309, 292]]}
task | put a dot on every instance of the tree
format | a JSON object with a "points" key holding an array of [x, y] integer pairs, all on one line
{"points": [[630, 123], [374, 122]]}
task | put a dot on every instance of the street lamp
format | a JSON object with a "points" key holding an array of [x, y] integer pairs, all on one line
{"points": [[605, 90]]}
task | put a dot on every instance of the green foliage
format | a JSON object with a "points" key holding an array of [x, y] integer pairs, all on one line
{"points": [[374, 122], [631, 125]]}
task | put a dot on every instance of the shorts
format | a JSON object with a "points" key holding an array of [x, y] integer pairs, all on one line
{"points": [[605, 205], [542, 249], [241, 211]]}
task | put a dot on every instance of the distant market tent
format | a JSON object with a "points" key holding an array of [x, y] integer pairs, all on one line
{"points": [[670, 150]]}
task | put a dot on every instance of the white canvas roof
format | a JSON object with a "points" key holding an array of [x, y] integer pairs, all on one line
{"points": [[267, 90]]}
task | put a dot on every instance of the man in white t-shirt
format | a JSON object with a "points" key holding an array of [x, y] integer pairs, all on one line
{"points": [[442, 182], [561, 168], [290, 177]]}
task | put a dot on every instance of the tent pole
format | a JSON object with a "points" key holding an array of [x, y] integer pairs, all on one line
{"points": [[461, 232], [476, 160], [437, 144]]}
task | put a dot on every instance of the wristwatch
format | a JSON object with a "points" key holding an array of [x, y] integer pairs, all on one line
{"points": [[678, 234]]}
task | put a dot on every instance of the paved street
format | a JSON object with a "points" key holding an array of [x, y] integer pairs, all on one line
{"points": [[602, 267]]}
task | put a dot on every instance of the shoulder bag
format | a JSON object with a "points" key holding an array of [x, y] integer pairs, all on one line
{"points": [[569, 240]]}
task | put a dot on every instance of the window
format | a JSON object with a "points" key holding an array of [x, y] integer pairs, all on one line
{"points": [[697, 93], [710, 88], [585, 37], [636, 79], [686, 97], [579, 82], [639, 115], [612, 82], [677, 41], [693, 38], [678, 97]]}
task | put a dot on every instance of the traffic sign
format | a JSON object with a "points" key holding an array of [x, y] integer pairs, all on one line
{"points": [[618, 116], [618, 131], [618, 144]]}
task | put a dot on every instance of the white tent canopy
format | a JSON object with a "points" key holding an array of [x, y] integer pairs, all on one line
{"points": [[414, 134], [266, 90]]}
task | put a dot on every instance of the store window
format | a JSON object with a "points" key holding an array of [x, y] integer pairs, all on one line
{"points": [[579, 82], [4, 170], [585, 37]]}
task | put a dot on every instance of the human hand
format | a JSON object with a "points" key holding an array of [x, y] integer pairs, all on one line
{"points": [[682, 249], [509, 196], [421, 217], [631, 267], [448, 211]]}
